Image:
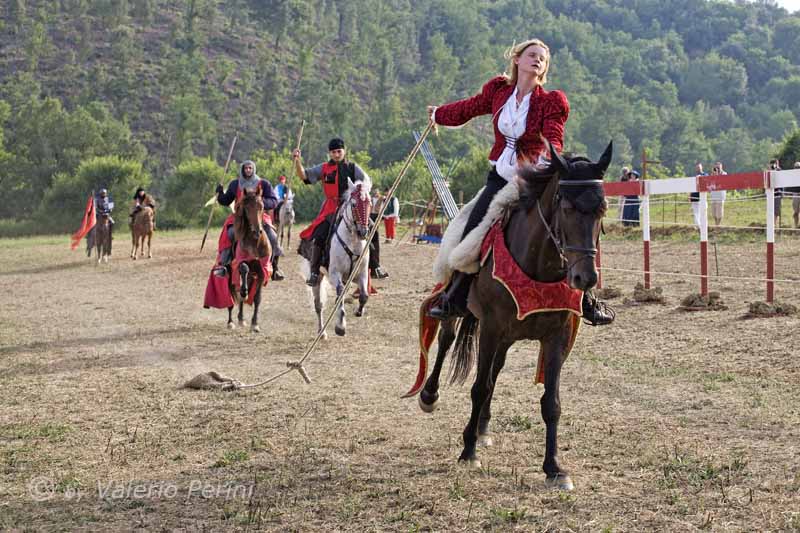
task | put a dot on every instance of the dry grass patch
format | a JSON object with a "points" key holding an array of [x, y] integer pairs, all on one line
{"points": [[668, 423]]}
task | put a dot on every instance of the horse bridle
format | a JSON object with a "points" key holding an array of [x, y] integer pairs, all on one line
{"points": [[259, 224], [561, 248], [350, 227]]}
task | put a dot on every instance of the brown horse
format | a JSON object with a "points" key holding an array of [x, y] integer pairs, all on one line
{"points": [[141, 228], [552, 235], [102, 237], [252, 245]]}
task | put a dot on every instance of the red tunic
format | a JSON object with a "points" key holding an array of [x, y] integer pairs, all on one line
{"points": [[547, 115], [331, 203]]}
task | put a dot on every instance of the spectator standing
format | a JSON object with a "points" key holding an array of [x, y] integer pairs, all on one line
{"points": [[718, 197], [391, 215], [630, 215], [623, 177], [775, 164], [694, 197]]}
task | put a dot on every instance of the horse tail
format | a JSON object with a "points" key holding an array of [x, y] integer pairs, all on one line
{"points": [[465, 349]]}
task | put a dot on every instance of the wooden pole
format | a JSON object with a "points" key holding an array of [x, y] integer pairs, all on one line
{"points": [[300, 134], [356, 266], [224, 173]]}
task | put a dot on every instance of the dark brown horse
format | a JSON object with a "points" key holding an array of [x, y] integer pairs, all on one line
{"points": [[252, 245], [552, 235], [102, 237]]}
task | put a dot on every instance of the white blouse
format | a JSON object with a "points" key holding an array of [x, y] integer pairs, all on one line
{"points": [[511, 123]]}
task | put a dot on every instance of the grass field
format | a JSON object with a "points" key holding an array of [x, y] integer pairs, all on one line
{"points": [[671, 420]]}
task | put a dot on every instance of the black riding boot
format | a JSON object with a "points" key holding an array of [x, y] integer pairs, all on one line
{"points": [[376, 272], [453, 302], [316, 261], [277, 275], [595, 312], [272, 236]]}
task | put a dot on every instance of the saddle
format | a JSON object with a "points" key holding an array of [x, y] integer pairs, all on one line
{"points": [[464, 255]]}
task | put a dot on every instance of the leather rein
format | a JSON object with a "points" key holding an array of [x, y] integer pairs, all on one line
{"points": [[558, 241], [351, 227]]}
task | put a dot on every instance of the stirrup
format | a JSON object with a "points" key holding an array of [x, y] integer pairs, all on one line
{"points": [[378, 273], [445, 310], [598, 313]]}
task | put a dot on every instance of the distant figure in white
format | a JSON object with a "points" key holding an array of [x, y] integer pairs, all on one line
{"points": [[718, 197], [694, 197], [286, 217], [348, 241]]}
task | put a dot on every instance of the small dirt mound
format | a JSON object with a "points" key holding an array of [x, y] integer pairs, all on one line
{"points": [[645, 296], [767, 310], [698, 302], [607, 293]]}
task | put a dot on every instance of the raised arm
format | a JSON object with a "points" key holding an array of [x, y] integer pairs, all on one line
{"points": [[462, 111]]}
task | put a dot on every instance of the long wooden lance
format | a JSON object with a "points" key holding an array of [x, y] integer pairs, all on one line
{"points": [[298, 365], [224, 173], [300, 135]]}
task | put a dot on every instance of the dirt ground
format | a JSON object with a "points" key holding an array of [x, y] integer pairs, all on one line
{"points": [[670, 420]]}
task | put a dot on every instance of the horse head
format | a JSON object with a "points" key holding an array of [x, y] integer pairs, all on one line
{"points": [[358, 203], [580, 205], [250, 211], [567, 197]]}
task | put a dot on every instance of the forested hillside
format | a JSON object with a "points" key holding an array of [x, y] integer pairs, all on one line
{"points": [[120, 92]]}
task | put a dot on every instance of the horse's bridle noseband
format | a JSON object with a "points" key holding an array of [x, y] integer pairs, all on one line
{"points": [[586, 253], [341, 217]]}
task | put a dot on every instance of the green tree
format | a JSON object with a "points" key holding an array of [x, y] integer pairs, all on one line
{"points": [[789, 152], [187, 190], [714, 79]]}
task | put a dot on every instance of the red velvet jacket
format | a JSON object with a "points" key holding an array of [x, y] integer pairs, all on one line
{"points": [[546, 116]]}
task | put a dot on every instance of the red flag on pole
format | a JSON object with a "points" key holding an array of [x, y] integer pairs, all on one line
{"points": [[89, 220]]}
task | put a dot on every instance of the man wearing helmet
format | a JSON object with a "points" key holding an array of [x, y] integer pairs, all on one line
{"points": [[248, 180]]}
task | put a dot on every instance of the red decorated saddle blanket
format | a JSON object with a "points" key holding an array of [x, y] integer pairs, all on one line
{"points": [[529, 295], [224, 241], [218, 293]]}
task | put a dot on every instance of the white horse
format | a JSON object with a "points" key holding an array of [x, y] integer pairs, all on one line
{"points": [[286, 219], [351, 226]]}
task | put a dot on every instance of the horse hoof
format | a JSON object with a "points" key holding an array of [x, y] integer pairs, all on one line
{"points": [[358, 313], [485, 440], [255, 329], [231, 325], [559, 482], [324, 336], [428, 402], [470, 464], [339, 331], [242, 323], [105, 259], [133, 257], [149, 256]]}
